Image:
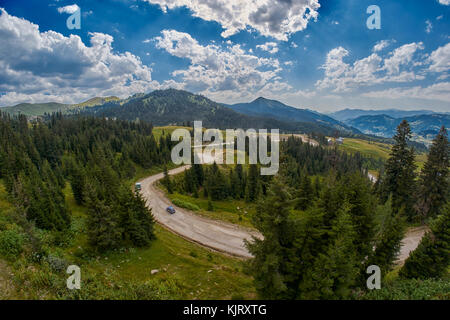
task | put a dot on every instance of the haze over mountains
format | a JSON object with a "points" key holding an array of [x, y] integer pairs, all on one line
{"points": [[424, 126], [171, 106], [348, 114]]}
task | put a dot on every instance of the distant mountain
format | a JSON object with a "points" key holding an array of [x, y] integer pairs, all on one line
{"points": [[424, 127], [276, 109], [164, 107], [35, 109], [39, 109], [95, 102], [348, 114]]}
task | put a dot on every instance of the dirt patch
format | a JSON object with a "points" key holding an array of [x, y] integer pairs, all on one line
{"points": [[7, 290], [410, 242]]}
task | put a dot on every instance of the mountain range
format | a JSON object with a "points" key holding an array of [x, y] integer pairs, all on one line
{"points": [[164, 107], [39, 109], [348, 114], [276, 109], [171, 106], [423, 126]]}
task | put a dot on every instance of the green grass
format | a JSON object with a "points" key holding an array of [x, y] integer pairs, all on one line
{"points": [[375, 150], [203, 274], [4, 203], [159, 131], [367, 148], [226, 210], [199, 272]]}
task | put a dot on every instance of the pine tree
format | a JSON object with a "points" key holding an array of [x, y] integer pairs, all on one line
{"points": [[103, 228], [431, 259], [335, 271], [272, 254], [305, 193], [77, 181], [388, 242], [434, 184], [145, 233], [167, 182], [400, 172], [253, 184]]}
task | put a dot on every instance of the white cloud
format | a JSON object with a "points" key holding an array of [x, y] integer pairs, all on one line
{"points": [[402, 56], [69, 9], [213, 68], [429, 26], [270, 47], [444, 2], [381, 45], [438, 91], [343, 77], [43, 66], [440, 59], [277, 19]]}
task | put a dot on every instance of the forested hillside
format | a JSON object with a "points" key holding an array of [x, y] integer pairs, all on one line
{"points": [[177, 107], [69, 184]]}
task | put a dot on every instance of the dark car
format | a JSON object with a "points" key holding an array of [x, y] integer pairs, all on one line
{"points": [[170, 210]]}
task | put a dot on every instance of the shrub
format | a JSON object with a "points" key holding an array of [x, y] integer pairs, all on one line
{"points": [[184, 204], [57, 264], [11, 243], [412, 290]]}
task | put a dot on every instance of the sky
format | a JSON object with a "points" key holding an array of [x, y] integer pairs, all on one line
{"points": [[315, 54]]}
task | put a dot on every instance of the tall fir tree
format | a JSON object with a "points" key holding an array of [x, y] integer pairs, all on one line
{"points": [[433, 184], [388, 240], [272, 254], [253, 183], [400, 172]]}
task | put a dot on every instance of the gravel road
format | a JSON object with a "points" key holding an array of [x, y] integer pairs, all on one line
{"points": [[222, 236]]}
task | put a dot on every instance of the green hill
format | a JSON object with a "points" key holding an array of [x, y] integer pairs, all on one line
{"points": [[35, 109], [39, 109]]}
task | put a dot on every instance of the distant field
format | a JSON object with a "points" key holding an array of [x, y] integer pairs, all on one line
{"points": [[375, 150], [159, 131], [367, 148]]}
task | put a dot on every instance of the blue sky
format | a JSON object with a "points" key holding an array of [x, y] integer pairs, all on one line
{"points": [[312, 54]]}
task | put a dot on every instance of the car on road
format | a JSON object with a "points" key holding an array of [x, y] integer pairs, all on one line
{"points": [[170, 210], [137, 187]]}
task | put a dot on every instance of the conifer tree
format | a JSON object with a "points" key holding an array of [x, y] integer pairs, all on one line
{"points": [[400, 172], [335, 271], [103, 224], [253, 184], [305, 193], [434, 183], [271, 255], [388, 241], [167, 182]]}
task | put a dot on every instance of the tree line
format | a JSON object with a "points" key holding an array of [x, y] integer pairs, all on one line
{"points": [[320, 247], [96, 157]]}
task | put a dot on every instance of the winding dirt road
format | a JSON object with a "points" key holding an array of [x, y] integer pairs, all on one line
{"points": [[217, 235], [222, 236]]}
